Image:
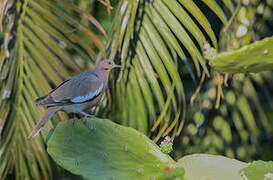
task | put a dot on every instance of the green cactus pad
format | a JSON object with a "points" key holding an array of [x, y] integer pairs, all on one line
{"points": [[100, 149], [259, 170], [255, 57], [212, 167]]}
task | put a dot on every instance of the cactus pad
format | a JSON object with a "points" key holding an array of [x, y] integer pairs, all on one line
{"points": [[101, 149], [255, 57], [259, 170], [212, 167]]}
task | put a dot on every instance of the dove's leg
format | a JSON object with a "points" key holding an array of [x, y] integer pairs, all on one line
{"points": [[74, 118], [87, 115]]}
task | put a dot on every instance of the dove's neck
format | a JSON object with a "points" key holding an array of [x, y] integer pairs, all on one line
{"points": [[102, 74]]}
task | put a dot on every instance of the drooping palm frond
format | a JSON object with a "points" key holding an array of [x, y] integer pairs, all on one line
{"points": [[155, 41], [242, 126], [43, 44]]}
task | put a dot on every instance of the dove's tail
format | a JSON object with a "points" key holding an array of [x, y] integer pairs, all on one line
{"points": [[47, 115]]}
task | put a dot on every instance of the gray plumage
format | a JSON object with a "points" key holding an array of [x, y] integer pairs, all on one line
{"points": [[87, 85], [76, 94]]}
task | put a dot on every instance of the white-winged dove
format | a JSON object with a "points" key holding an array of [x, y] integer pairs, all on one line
{"points": [[76, 94]]}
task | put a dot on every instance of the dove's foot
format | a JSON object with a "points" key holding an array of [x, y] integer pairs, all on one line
{"points": [[74, 118], [87, 115]]}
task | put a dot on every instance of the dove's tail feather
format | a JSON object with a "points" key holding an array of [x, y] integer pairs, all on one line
{"points": [[42, 101], [47, 115]]}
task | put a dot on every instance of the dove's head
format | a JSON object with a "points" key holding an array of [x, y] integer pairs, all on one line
{"points": [[107, 65]]}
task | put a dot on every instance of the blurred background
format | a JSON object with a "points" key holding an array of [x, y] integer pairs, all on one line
{"points": [[45, 42]]}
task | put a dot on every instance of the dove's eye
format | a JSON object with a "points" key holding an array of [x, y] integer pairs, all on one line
{"points": [[110, 63]]}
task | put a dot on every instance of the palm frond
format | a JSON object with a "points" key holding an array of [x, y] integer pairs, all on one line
{"points": [[241, 127], [153, 39], [43, 45]]}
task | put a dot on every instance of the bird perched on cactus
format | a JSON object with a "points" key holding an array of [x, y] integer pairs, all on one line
{"points": [[76, 94]]}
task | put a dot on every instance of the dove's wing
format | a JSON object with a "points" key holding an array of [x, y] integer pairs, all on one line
{"points": [[79, 89]]}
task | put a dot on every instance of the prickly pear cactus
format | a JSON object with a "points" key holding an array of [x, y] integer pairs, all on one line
{"points": [[212, 167], [259, 170], [255, 57], [100, 149]]}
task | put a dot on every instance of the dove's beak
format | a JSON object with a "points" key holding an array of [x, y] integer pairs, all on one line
{"points": [[117, 66]]}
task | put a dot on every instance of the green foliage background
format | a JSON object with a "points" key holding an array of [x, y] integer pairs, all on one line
{"points": [[164, 66]]}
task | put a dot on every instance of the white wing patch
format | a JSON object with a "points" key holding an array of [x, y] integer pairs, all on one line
{"points": [[88, 96]]}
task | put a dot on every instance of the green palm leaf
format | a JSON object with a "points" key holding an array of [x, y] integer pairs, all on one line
{"points": [[236, 128], [43, 45], [241, 126], [153, 39]]}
